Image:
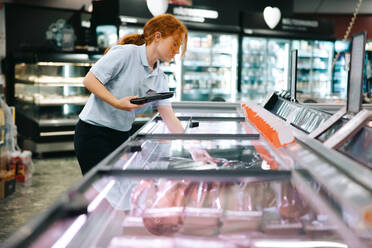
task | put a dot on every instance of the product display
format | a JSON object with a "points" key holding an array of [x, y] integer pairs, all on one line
{"points": [[222, 183], [264, 66], [209, 67]]}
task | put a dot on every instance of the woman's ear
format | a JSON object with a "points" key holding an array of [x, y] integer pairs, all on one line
{"points": [[157, 36]]}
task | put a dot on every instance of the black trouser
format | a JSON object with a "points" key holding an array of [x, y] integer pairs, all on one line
{"points": [[93, 143]]}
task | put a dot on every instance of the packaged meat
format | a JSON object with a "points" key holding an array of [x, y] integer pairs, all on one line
{"points": [[163, 221], [274, 224], [133, 225], [201, 221], [243, 207], [292, 206], [160, 203], [240, 221], [202, 210]]}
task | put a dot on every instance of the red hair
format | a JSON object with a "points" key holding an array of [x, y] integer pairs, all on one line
{"points": [[166, 24]]}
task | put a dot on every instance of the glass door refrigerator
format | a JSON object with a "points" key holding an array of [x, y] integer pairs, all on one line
{"points": [[368, 73], [209, 68], [339, 84], [314, 70], [264, 66]]}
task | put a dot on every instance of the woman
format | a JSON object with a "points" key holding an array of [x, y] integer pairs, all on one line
{"points": [[126, 71]]}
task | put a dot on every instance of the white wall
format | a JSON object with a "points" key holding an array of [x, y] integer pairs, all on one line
{"points": [[331, 6]]}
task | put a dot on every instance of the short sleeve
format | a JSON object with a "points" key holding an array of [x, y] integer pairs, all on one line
{"points": [[109, 65]]}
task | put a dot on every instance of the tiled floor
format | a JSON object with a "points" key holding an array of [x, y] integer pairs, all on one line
{"points": [[53, 175]]}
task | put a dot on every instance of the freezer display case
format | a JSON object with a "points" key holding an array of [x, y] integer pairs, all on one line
{"points": [[216, 185], [264, 66], [314, 75], [209, 67], [140, 209]]}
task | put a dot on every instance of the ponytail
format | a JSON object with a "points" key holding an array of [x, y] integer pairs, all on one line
{"points": [[136, 39]]}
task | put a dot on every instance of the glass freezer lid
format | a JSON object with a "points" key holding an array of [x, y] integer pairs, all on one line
{"points": [[332, 129], [207, 113], [144, 211], [195, 155], [359, 146], [191, 126]]}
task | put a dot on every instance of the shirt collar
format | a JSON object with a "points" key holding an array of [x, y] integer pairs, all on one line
{"points": [[145, 62]]}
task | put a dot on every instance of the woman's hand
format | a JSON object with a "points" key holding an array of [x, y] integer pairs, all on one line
{"points": [[199, 154], [125, 104]]}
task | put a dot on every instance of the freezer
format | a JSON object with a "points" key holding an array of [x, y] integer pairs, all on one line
{"points": [[140, 209], [222, 183]]}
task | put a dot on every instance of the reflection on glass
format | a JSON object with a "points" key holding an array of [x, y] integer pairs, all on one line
{"points": [[359, 147], [330, 131], [203, 127], [197, 155]]}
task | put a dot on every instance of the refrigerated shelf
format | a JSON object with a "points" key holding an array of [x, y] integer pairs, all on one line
{"points": [[151, 191]]}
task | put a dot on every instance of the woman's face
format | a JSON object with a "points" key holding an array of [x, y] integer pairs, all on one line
{"points": [[168, 48]]}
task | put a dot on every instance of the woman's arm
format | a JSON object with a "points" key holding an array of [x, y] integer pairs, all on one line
{"points": [[98, 89], [174, 125], [171, 121]]}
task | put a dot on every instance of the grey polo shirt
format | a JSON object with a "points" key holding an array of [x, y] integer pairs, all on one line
{"points": [[124, 71]]}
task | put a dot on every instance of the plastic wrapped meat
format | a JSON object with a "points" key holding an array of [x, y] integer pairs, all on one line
{"points": [[291, 208], [202, 210], [133, 225], [243, 207], [160, 205]]}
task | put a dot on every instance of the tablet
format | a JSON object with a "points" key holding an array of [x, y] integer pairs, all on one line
{"points": [[152, 97]]}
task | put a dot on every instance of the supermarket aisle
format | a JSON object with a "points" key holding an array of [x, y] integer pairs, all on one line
{"points": [[52, 177]]}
